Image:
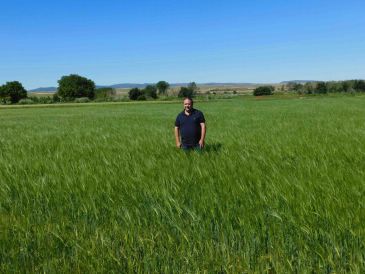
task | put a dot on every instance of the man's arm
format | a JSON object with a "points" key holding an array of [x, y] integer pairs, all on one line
{"points": [[177, 137], [203, 132]]}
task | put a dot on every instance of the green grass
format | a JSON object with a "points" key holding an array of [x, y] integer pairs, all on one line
{"points": [[101, 188]]}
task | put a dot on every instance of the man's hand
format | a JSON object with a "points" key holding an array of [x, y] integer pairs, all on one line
{"points": [[201, 143], [177, 137]]}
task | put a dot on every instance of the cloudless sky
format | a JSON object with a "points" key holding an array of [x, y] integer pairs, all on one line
{"points": [[181, 41]]}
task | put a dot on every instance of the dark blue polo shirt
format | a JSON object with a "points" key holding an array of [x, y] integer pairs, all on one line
{"points": [[189, 126]]}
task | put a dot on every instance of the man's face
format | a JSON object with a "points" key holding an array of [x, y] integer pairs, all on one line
{"points": [[188, 105]]}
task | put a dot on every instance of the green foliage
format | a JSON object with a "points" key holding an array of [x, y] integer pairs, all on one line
{"points": [[103, 93], [185, 92], [263, 90], [13, 92], [150, 91], [359, 85], [82, 100], [134, 93], [142, 97], [75, 86], [42, 99], [56, 98], [321, 88], [26, 101], [328, 87], [162, 87], [190, 91]]}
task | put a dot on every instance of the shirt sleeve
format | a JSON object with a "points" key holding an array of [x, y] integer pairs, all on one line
{"points": [[177, 122], [201, 118]]}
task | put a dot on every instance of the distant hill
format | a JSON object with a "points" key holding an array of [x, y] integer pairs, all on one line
{"points": [[137, 85], [46, 89], [298, 81]]}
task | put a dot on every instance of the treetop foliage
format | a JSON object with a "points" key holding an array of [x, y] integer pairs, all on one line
{"points": [[263, 90], [190, 91], [13, 92], [162, 87], [149, 91], [327, 87], [75, 86]]}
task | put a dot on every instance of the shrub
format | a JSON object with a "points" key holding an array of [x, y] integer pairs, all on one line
{"points": [[142, 97], [103, 93], [26, 101], [134, 93], [264, 90], [56, 98], [75, 86], [186, 92], [13, 92], [82, 100], [5, 101], [150, 91], [359, 85], [321, 88]]}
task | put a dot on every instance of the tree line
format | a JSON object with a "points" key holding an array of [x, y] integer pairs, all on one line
{"points": [[321, 87], [315, 87], [77, 88]]}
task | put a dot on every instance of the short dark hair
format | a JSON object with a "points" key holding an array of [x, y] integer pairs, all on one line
{"points": [[188, 98]]}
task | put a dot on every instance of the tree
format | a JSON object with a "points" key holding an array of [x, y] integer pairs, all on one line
{"points": [[185, 92], [359, 85], [13, 91], [193, 87], [150, 91], [321, 88], [162, 87], [346, 86], [134, 93], [189, 91], [308, 87], [263, 90], [75, 86]]}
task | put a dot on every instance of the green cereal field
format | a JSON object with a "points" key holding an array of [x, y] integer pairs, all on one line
{"points": [[279, 188]]}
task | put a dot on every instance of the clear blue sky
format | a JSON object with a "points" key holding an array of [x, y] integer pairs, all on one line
{"points": [[181, 41]]}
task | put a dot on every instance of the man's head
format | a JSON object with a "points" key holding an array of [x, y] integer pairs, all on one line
{"points": [[188, 104]]}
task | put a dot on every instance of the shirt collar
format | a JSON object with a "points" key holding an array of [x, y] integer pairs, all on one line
{"points": [[192, 111]]}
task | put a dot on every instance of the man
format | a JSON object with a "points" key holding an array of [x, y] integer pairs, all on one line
{"points": [[190, 127]]}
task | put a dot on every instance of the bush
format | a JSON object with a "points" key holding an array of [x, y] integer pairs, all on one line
{"points": [[186, 92], [264, 90], [5, 101], [75, 86], [26, 101], [150, 91], [82, 100], [13, 92], [142, 97], [359, 85], [56, 98], [321, 88], [134, 93], [103, 93]]}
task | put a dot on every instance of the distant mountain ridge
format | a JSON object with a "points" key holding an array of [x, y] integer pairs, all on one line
{"points": [[44, 89], [138, 85], [298, 81]]}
